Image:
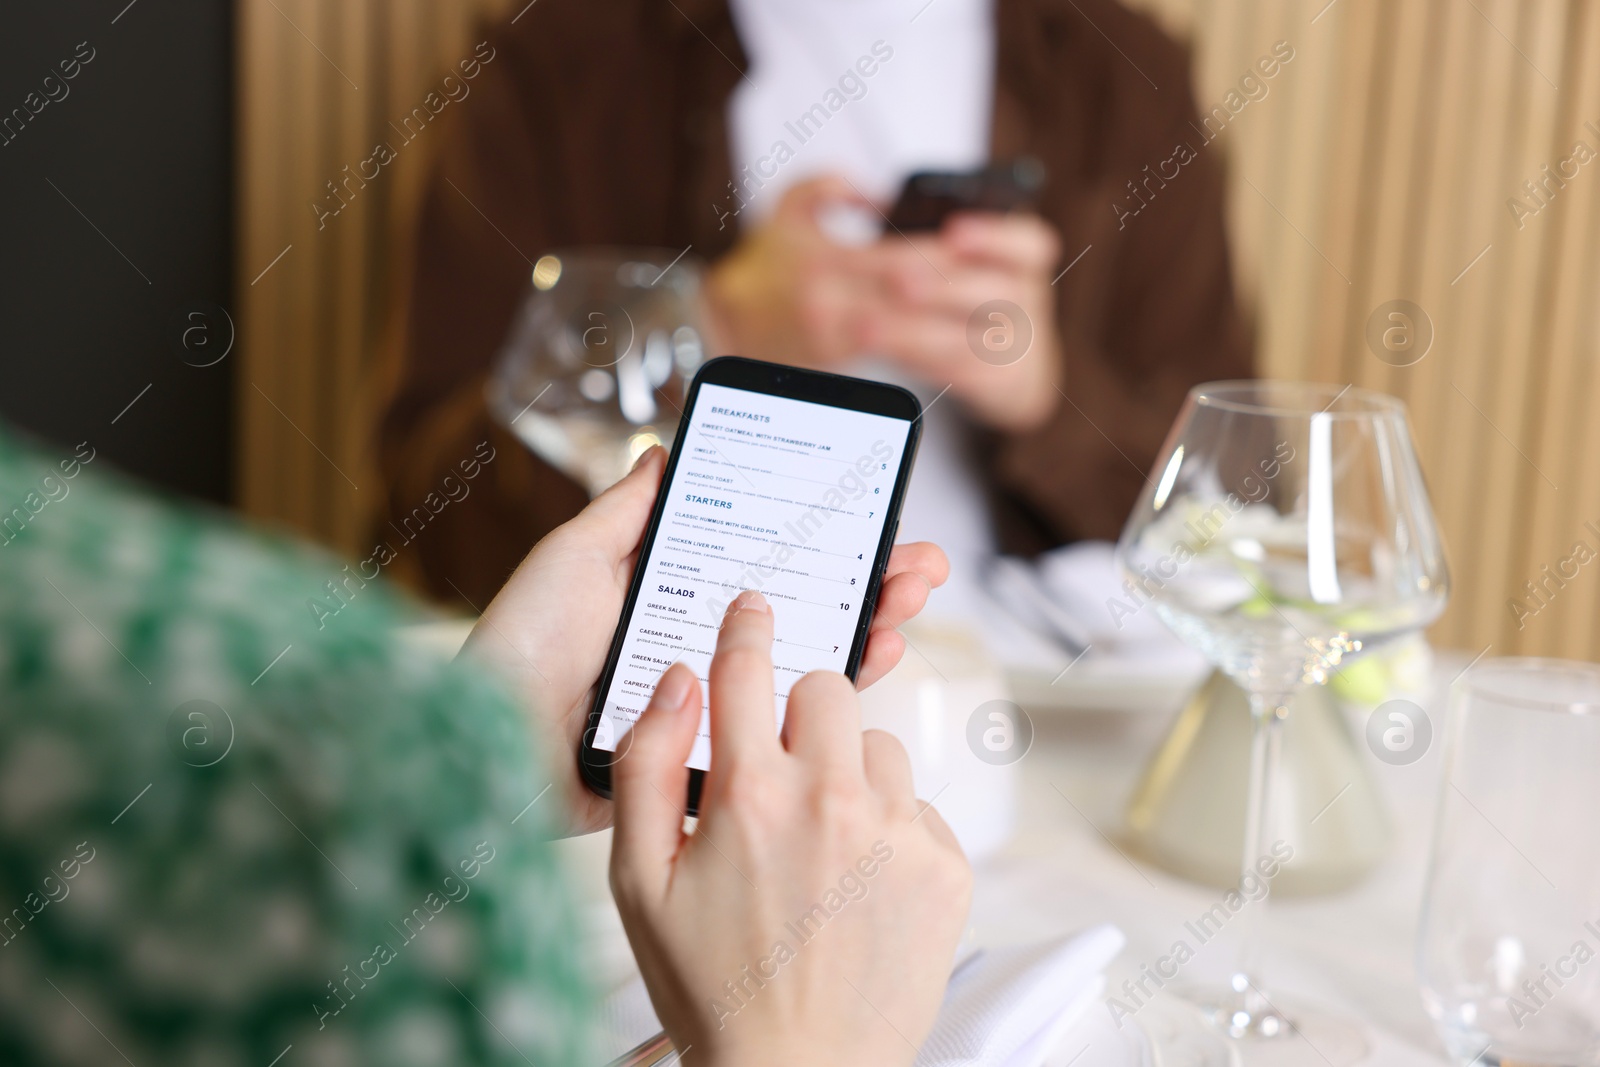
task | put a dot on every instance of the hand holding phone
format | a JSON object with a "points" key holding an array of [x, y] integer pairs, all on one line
{"points": [[814, 913], [549, 630], [784, 480]]}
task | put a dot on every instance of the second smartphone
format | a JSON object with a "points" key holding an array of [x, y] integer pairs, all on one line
{"points": [[931, 196], [782, 480]]}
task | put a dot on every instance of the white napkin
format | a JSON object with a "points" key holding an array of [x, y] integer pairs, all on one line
{"points": [[1083, 593], [1005, 1007], [1010, 1006], [1077, 593]]}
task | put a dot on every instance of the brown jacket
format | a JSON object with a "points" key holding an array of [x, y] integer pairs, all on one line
{"points": [[603, 122]]}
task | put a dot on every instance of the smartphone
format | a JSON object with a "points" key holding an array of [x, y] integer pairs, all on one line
{"points": [[782, 480], [929, 197]]}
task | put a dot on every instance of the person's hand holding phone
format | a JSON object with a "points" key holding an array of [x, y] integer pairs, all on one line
{"points": [[1002, 361], [813, 915], [787, 292], [790, 293], [549, 629]]}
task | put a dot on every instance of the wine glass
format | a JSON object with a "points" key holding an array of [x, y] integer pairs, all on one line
{"points": [[1507, 946], [1287, 529], [599, 358]]}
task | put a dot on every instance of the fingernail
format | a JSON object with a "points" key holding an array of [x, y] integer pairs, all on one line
{"points": [[673, 688], [749, 600], [646, 454]]}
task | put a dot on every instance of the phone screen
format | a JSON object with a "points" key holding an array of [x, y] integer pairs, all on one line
{"points": [[788, 497]]}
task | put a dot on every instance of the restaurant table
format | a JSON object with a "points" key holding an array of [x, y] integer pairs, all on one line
{"points": [[1350, 953]]}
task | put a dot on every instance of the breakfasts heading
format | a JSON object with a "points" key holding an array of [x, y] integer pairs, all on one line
{"points": [[751, 415]]}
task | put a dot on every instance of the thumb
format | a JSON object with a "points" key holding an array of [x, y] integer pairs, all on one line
{"points": [[615, 520], [650, 785]]}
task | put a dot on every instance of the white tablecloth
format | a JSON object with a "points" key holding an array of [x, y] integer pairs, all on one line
{"points": [[1351, 953]]}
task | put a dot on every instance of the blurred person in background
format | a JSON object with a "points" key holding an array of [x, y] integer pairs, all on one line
{"points": [[231, 833], [633, 122]]}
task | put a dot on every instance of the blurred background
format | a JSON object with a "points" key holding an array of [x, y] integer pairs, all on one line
{"points": [[225, 218], [174, 294]]}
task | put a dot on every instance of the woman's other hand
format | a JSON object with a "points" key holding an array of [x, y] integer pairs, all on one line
{"points": [[813, 914]]}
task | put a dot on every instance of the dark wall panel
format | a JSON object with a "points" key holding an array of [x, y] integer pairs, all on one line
{"points": [[115, 232]]}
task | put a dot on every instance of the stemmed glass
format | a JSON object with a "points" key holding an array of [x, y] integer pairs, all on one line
{"points": [[1287, 529], [599, 358]]}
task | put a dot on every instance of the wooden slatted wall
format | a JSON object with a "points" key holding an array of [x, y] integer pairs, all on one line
{"points": [[319, 83], [1377, 167]]}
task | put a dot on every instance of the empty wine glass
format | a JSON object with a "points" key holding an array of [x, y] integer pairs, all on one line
{"points": [[1287, 529], [599, 358], [1508, 950]]}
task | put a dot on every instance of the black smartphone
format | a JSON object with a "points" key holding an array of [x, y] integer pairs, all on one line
{"points": [[930, 196], [782, 480]]}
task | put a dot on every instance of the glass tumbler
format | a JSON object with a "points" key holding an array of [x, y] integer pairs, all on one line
{"points": [[1509, 946]]}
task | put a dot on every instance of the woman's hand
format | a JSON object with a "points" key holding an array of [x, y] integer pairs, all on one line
{"points": [[549, 629], [813, 915]]}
